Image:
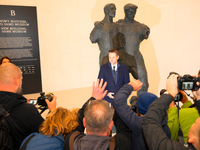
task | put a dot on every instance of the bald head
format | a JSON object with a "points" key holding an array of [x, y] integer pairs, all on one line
{"points": [[98, 116], [10, 77]]}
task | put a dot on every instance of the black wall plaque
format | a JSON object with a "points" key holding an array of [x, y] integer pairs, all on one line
{"points": [[19, 41]]}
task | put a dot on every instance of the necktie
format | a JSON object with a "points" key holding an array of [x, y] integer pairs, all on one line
{"points": [[114, 73]]}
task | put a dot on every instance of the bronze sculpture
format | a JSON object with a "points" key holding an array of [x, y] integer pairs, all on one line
{"points": [[134, 33]]}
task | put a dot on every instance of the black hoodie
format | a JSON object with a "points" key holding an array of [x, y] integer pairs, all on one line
{"points": [[25, 115]]}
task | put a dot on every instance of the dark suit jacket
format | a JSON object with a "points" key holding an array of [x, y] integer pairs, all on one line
{"points": [[122, 78]]}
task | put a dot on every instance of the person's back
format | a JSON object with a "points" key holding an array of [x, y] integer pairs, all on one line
{"points": [[151, 125], [184, 116], [40, 142], [25, 115], [53, 130], [98, 139], [187, 117], [132, 119]]}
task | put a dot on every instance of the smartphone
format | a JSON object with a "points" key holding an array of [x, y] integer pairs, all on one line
{"points": [[33, 101]]}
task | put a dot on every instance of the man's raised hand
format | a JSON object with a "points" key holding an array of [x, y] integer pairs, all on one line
{"points": [[136, 84], [98, 89]]}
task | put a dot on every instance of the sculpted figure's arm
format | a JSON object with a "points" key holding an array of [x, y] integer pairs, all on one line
{"points": [[119, 21], [99, 24], [94, 35], [145, 32]]}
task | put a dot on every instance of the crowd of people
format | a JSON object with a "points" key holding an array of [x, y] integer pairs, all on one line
{"points": [[154, 126]]}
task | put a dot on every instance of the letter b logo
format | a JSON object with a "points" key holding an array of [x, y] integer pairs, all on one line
{"points": [[12, 12]]}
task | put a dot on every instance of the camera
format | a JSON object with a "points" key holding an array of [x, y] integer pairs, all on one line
{"points": [[187, 82], [178, 97], [41, 99], [133, 101]]}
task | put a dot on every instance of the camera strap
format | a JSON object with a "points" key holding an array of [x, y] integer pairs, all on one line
{"points": [[189, 95], [42, 108], [180, 133]]}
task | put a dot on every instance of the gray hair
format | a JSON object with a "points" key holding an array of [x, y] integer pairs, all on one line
{"points": [[98, 115]]}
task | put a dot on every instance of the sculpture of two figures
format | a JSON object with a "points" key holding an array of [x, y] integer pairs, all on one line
{"points": [[125, 35]]}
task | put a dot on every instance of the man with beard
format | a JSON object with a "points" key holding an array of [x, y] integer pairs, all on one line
{"points": [[25, 115]]}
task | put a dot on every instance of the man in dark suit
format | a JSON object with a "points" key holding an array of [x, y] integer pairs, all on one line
{"points": [[115, 74]]}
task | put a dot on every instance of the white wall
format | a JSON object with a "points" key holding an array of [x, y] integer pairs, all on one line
{"points": [[70, 61]]}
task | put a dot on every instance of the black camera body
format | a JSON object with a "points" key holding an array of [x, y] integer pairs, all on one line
{"points": [[41, 99], [187, 82], [133, 101], [178, 97]]}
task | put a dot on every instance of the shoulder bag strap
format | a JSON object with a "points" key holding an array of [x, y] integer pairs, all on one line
{"points": [[25, 144], [71, 139], [112, 143], [9, 119]]}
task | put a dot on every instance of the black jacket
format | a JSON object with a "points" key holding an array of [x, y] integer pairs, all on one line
{"points": [[131, 119], [154, 135], [25, 115]]}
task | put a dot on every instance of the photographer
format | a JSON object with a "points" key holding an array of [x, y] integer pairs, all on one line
{"points": [[185, 118], [25, 115], [130, 118], [155, 137]]}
